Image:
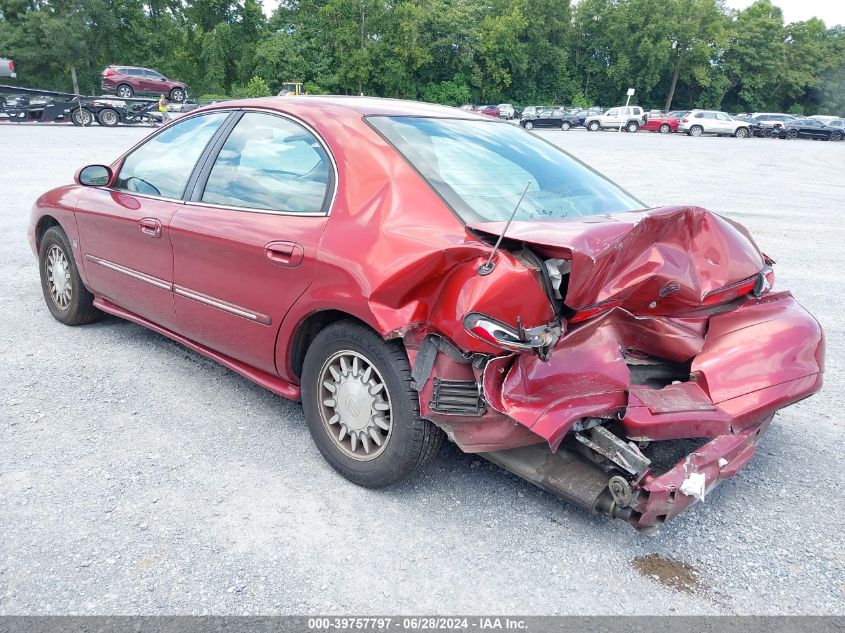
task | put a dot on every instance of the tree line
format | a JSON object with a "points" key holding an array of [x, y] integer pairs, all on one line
{"points": [[675, 53]]}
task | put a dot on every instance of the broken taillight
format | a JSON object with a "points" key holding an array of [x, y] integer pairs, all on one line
{"points": [[590, 311], [500, 335], [759, 284]]}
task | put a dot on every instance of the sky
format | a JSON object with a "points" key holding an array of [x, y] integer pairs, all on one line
{"points": [[831, 11]]}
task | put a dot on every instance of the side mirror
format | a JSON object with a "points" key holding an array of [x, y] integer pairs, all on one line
{"points": [[94, 176]]}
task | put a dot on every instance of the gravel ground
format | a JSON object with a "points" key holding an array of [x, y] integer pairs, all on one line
{"points": [[138, 477]]}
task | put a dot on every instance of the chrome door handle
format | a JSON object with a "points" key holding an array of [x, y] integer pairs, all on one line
{"points": [[150, 227]]}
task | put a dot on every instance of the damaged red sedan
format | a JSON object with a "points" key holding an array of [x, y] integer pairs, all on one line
{"points": [[412, 271]]}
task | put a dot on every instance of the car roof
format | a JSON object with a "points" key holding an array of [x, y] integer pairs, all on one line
{"points": [[314, 106]]}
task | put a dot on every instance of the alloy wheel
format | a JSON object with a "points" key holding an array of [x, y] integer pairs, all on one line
{"points": [[124, 91], [664, 129], [177, 95], [59, 282], [354, 405], [696, 131]]}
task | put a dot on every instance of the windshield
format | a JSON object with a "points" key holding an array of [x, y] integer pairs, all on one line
{"points": [[481, 168]]}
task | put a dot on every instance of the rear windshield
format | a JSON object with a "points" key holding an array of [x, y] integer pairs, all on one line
{"points": [[481, 168]]}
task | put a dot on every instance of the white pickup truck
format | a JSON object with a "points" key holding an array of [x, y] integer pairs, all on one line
{"points": [[630, 118]]}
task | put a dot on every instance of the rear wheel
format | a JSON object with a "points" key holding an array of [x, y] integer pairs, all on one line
{"points": [[124, 91], [565, 126], [108, 117], [177, 95], [361, 409], [82, 117], [632, 126], [696, 130], [593, 126], [67, 298], [664, 128]]}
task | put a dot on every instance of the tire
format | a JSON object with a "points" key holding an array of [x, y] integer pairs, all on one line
{"points": [[792, 134], [565, 126], [177, 95], [82, 117], [528, 125], [69, 301], [108, 117], [124, 91], [664, 128], [593, 126], [836, 136], [632, 127], [741, 132], [336, 363], [696, 130]]}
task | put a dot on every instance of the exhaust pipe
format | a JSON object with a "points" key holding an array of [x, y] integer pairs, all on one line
{"points": [[565, 474]]}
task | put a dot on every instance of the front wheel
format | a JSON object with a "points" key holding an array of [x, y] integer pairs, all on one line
{"points": [[792, 134], [360, 407], [177, 95], [67, 297], [664, 128], [741, 132], [565, 126], [632, 127], [528, 125], [836, 136], [82, 117], [593, 126]]}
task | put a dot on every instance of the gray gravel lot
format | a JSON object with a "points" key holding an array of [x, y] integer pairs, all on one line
{"points": [[138, 477]]}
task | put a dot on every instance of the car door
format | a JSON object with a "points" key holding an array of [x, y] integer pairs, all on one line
{"points": [[154, 82], [611, 118], [244, 245], [124, 228], [724, 124]]}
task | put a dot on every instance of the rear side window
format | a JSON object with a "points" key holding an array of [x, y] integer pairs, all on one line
{"points": [[162, 165], [269, 162]]}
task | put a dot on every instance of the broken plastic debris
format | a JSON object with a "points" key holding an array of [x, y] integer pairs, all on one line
{"points": [[722, 462], [693, 486]]}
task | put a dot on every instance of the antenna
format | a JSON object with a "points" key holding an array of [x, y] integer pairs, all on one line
{"points": [[487, 267]]}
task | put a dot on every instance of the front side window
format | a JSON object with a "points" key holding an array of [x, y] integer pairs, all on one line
{"points": [[481, 168], [613, 112], [162, 165], [269, 162]]}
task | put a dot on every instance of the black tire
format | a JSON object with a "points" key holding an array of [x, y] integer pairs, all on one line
{"points": [[664, 128], [108, 117], [82, 117], [528, 125], [632, 127], [792, 134], [565, 126], [741, 132], [836, 136], [124, 91], [79, 309], [177, 95], [696, 130], [593, 126], [412, 441]]}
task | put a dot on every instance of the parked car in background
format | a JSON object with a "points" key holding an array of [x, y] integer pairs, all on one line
{"points": [[772, 119], [810, 129], [700, 122], [7, 68], [629, 118], [837, 123], [664, 123], [489, 110], [550, 118], [824, 118], [626, 358], [127, 81], [756, 128], [467, 107], [506, 111]]}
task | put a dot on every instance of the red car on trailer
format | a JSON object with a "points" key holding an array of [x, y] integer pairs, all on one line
{"points": [[341, 251]]}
